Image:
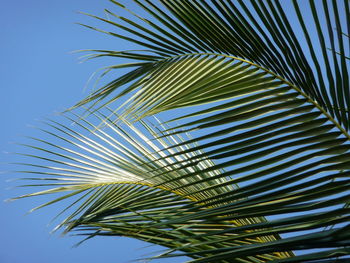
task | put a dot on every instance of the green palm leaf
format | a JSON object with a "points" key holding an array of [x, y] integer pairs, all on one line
{"points": [[251, 160], [117, 186]]}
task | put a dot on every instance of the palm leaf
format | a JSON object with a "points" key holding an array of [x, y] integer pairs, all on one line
{"points": [[117, 184], [264, 111]]}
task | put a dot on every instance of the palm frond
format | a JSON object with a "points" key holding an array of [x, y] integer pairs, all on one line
{"points": [[251, 160], [116, 176], [259, 32]]}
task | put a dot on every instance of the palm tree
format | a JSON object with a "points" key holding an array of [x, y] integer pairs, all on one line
{"points": [[226, 139]]}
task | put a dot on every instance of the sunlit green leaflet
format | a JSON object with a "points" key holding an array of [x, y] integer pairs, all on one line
{"points": [[251, 157], [112, 205]]}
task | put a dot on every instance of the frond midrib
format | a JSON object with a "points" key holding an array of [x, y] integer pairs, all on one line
{"points": [[285, 81]]}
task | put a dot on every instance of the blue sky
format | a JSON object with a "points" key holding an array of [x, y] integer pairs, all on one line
{"points": [[40, 77]]}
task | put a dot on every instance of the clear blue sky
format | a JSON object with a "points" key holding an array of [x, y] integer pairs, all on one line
{"points": [[39, 76]]}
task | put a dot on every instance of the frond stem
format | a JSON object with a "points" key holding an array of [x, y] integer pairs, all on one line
{"points": [[345, 133]]}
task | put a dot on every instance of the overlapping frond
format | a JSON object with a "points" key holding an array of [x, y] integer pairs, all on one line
{"points": [[261, 32], [116, 174], [262, 87]]}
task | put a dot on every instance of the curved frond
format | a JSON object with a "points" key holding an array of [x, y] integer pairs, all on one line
{"points": [[251, 162], [116, 174], [261, 32]]}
